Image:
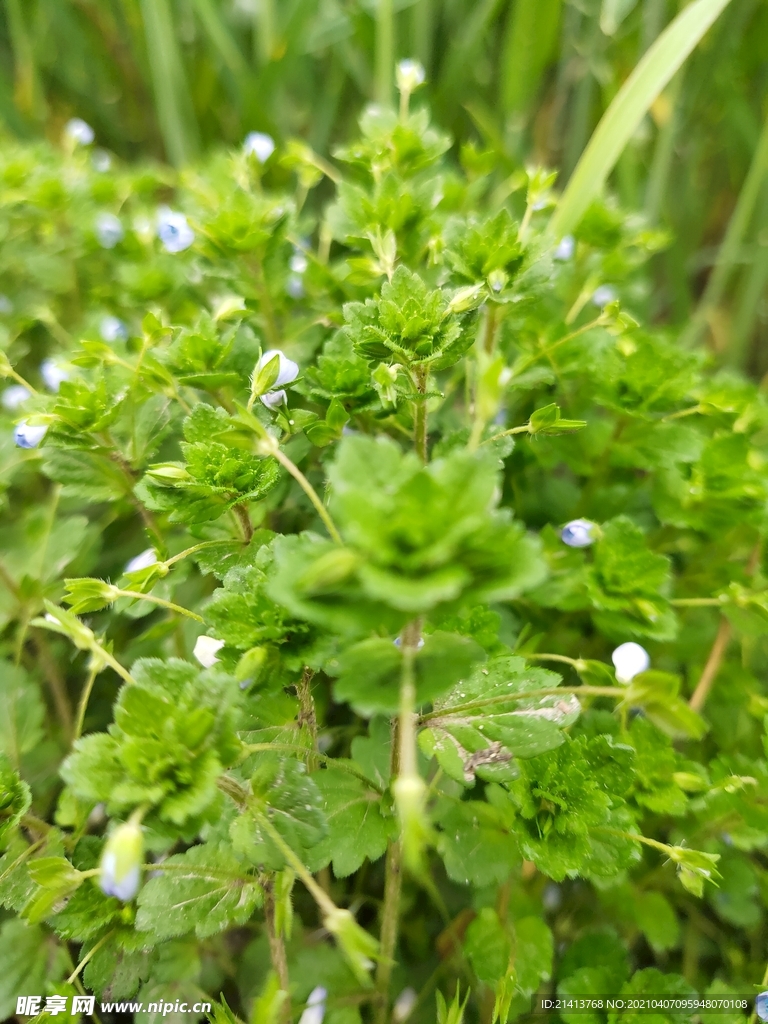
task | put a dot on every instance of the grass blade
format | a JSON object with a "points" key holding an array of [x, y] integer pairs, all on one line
{"points": [[385, 51], [529, 44], [174, 108], [628, 108], [731, 244]]}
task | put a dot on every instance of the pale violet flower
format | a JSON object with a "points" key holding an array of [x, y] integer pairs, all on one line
{"points": [[112, 329], [142, 561], [53, 374], [6, 306], [761, 1005], [404, 1005], [287, 371], [260, 145], [120, 867], [14, 396], [565, 248], [578, 533], [603, 295], [295, 286], [410, 75], [101, 161], [273, 399], [630, 660], [109, 230], [315, 1008], [79, 131], [27, 436], [205, 650], [174, 231]]}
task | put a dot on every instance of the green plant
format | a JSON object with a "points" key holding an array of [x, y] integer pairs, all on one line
{"points": [[398, 457]]}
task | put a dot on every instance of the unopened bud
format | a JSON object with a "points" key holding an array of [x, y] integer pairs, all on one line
{"points": [[358, 946], [121, 862]]}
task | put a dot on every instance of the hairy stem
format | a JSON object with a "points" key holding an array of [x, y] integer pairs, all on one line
{"points": [[55, 682], [277, 950], [420, 416], [161, 603], [307, 715], [712, 667], [389, 925], [82, 706], [244, 520], [308, 489]]}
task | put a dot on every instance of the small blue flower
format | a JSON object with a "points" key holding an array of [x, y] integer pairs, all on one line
{"points": [[112, 329], [121, 862], [315, 1009], [260, 145], [603, 295], [79, 131], [109, 230], [27, 436], [761, 1006], [579, 533], [174, 231]]}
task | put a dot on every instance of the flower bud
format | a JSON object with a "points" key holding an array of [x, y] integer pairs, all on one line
{"points": [[260, 145], [409, 74], [27, 436], [205, 650], [328, 571], [121, 862], [579, 533], [287, 370], [630, 660], [79, 131], [142, 561], [404, 1004], [358, 946]]}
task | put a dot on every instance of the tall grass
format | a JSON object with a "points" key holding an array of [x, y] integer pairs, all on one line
{"points": [[530, 79]]}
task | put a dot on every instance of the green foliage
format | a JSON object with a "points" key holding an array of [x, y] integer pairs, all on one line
{"points": [[337, 704]]}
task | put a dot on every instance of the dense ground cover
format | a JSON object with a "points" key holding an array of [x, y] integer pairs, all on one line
{"points": [[383, 598]]}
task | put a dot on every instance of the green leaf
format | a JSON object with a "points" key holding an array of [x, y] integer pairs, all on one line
{"points": [[628, 108], [357, 828], [21, 712], [206, 889], [488, 946]]}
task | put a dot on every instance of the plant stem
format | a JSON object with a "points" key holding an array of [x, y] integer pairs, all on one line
{"points": [[277, 949], [88, 957], [393, 873], [307, 715], [696, 602], [161, 603], [276, 452], [420, 416], [244, 520], [84, 698], [55, 682], [297, 748], [385, 51], [712, 667]]}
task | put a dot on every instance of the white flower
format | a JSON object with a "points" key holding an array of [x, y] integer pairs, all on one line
{"points": [[14, 396], [404, 1004], [27, 436], [565, 248], [287, 371], [121, 862], [111, 329], [79, 131], [630, 660], [53, 374], [298, 263], [603, 295], [174, 231], [101, 160], [205, 650], [315, 1010], [260, 145], [578, 533], [109, 230], [142, 561], [410, 75]]}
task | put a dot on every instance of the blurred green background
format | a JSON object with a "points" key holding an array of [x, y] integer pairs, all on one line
{"points": [[528, 79]]}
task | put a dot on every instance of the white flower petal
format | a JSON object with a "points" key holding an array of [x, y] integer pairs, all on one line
{"points": [[142, 561], [79, 131], [260, 145], [27, 436], [205, 650], [53, 374], [174, 231], [603, 295], [14, 396], [579, 533], [287, 370], [315, 1009], [629, 660], [111, 329]]}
